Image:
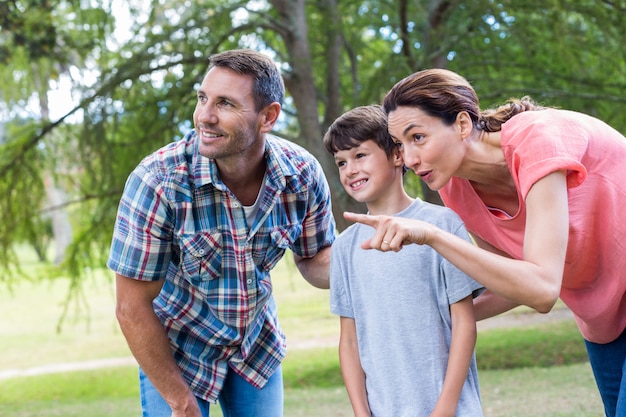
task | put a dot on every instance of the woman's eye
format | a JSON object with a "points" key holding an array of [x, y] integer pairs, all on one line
{"points": [[418, 137]]}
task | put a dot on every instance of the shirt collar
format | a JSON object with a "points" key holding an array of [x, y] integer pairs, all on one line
{"points": [[279, 166]]}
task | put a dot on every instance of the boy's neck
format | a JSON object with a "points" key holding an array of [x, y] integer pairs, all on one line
{"points": [[391, 205]]}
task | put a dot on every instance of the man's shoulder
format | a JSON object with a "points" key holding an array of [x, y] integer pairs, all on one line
{"points": [[293, 163], [287, 150], [171, 156]]}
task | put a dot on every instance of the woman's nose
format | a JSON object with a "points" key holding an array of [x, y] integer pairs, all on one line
{"points": [[411, 158]]}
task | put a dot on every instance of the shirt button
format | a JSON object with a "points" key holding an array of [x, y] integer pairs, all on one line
{"points": [[249, 281], [236, 205], [201, 251]]}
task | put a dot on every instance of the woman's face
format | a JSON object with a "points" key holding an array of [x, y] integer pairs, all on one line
{"points": [[432, 149]]}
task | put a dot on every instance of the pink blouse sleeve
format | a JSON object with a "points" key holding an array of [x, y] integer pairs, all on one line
{"points": [[536, 144]]}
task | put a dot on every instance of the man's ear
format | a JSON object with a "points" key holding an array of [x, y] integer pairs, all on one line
{"points": [[464, 124], [269, 116]]}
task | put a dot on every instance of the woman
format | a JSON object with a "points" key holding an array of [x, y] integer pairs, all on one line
{"points": [[543, 192]]}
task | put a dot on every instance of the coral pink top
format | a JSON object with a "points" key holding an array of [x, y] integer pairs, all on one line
{"points": [[535, 144]]}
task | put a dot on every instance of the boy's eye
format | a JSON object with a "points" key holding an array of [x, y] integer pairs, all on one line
{"points": [[340, 163]]}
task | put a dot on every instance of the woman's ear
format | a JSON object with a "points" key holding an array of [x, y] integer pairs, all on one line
{"points": [[464, 124], [269, 116]]}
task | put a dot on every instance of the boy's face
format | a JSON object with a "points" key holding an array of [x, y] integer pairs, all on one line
{"points": [[366, 172]]}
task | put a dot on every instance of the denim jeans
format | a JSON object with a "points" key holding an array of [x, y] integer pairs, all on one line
{"points": [[237, 399], [608, 362]]}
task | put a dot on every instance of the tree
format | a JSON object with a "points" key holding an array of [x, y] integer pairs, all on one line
{"points": [[334, 55]]}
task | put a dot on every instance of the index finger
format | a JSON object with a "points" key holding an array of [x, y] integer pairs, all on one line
{"points": [[361, 218]]}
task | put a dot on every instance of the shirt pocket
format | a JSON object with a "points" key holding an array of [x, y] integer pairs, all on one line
{"points": [[202, 256], [280, 238]]}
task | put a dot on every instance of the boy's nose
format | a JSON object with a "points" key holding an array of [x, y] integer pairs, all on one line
{"points": [[351, 169]]}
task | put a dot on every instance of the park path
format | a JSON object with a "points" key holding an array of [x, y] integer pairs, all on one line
{"points": [[525, 318]]}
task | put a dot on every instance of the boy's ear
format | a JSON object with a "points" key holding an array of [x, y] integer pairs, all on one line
{"points": [[397, 157]]}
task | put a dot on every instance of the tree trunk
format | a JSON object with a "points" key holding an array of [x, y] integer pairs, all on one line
{"points": [[301, 85]]}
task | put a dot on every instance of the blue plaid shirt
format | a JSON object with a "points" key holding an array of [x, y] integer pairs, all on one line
{"points": [[178, 221]]}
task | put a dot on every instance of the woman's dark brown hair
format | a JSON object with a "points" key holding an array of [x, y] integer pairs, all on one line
{"points": [[443, 94]]}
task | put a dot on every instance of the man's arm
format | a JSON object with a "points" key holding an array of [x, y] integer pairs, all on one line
{"points": [[316, 270], [353, 375], [461, 353], [150, 345]]}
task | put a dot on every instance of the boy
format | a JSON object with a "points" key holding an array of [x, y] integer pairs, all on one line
{"points": [[407, 324]]}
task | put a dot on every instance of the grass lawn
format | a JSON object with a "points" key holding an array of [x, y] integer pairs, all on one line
{"points": [[30, 338]]}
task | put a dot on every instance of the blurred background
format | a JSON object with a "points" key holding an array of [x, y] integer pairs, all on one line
{"points": [[88, 88]]}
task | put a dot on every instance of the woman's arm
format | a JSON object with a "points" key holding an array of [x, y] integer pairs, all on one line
{"points": [[353, 375], [461, 353], [534, 281]]}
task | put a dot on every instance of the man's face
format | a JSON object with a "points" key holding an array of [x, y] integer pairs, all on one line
{"points": [[225, 118]]}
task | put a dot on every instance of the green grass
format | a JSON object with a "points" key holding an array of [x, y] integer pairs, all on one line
{"points": [[566, 391], [548, 344], [529, 371]]}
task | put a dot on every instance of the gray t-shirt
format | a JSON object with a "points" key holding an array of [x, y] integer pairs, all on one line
{"points": [[400, 302]]}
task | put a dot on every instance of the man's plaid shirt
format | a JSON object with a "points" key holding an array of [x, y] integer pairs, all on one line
{"points": [[178, 221]]}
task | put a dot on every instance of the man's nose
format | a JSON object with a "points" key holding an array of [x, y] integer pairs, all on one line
{"points": [[206, 113]]}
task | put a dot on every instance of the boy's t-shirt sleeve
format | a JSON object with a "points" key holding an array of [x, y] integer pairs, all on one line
{"points": [[340, 300], [458, 284]]}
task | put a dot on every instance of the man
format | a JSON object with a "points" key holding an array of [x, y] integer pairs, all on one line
{"points": [[201, 223]]}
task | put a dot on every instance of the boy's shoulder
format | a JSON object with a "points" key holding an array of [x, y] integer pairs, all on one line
{"points": [[441, 216], [425, 208]]}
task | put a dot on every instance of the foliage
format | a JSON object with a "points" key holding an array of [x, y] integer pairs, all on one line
{"points": [[136, 93]]}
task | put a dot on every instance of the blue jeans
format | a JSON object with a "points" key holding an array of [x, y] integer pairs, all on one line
{"points": [[237, 399], [608, 362]]}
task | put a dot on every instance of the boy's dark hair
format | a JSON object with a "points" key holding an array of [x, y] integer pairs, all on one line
{"points": [[359, 125]]}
